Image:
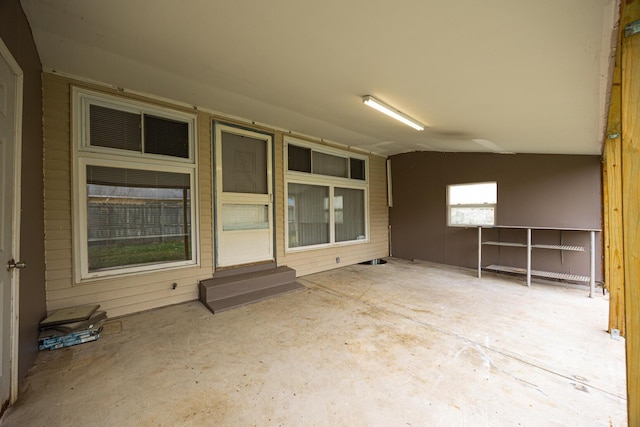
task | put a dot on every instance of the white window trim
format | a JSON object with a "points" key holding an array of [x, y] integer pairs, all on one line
{"points": [[481, 205], [296, 177], [85, 98], [84, 155], [325, 150]]}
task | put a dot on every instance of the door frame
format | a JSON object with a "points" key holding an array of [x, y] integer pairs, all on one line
{"points": [[13, 339], [218, 128]]}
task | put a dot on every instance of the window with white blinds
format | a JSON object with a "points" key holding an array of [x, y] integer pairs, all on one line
{"points": [[135, 174]]}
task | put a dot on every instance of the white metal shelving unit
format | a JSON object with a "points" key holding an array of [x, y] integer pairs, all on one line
{"points": [[529, 246]]}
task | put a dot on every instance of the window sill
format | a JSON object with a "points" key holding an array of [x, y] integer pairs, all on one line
{"points": [[104, 276], [325, 246]]}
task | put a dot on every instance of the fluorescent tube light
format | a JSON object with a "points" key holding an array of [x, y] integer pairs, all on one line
{"points": [[392, 112]]}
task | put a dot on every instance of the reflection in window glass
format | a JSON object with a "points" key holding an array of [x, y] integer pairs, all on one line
{"points": [[308, 215], [244, 217], [348, 207], [137, 217], [326, 164], [471, 216]]}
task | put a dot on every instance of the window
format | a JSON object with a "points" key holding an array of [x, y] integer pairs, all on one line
{"points": [[326, 197], [308, 214], [301, 159], [472, 204], [135, 174], [348, 207]]}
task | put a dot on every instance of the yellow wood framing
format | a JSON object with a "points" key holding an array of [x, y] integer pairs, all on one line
{"points": [[613, 260], [621, 198], [612, 201], [630, 112]]}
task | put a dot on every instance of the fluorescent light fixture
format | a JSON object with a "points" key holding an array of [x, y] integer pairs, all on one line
{"points": [[387, 109]]}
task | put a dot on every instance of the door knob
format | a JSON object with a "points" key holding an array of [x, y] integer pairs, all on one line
{"points": [[13, 264]]}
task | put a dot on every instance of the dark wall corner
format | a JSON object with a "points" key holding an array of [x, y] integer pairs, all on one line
{"points": [[16, 34]]}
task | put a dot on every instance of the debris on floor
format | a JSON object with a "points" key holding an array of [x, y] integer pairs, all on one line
{"points": [[71, 326]]}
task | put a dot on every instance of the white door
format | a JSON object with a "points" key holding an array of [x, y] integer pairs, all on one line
{"points": [[10, 131], [244, 202]]}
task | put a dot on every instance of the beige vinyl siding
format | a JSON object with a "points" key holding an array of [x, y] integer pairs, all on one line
{"points": [[205, 192], [315, 260], [57, 183], [280, 203], [145, 290], [123, 294]]}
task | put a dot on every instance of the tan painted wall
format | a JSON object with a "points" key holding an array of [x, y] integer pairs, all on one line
{"points": [[127, 294]]}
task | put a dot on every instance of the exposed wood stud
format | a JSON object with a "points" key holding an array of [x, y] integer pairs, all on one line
{"points": [[630, 111], [614, 262], [612, 200]]}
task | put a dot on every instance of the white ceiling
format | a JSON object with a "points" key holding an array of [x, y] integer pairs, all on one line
{"points": [[486, 76]]}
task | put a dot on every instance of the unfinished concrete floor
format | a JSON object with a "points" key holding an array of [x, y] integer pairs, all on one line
{"points": [[406, 343]]}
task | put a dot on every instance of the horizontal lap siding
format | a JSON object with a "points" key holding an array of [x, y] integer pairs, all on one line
{"points": [[205, 179], [57, 184], [117, 295]]}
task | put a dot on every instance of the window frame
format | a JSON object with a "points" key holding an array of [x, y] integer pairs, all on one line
{"points": [[331, 182], [84, 99], [84, 154], [494, 206]]}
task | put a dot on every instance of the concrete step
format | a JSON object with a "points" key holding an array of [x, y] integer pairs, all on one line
{"points": [[216, 306], [226, 291]]}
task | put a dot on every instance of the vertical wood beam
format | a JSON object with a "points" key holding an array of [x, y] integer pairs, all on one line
{"points": [[614, 262], [630, 113], [612, 200]]}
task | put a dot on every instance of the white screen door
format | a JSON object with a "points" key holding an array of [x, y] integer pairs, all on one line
{"points": [[10, 130], [244, 208]]}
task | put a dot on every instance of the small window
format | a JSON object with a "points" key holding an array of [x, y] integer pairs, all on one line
{"points": [[115, 129], [327, 164], [472, 204], [357, 168], [316, 162], [166, 137], [126, 130], [299, 158]]}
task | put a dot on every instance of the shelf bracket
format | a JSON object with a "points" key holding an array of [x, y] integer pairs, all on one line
{"points": [[528, 257], [479, 252], [592, 263]]}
